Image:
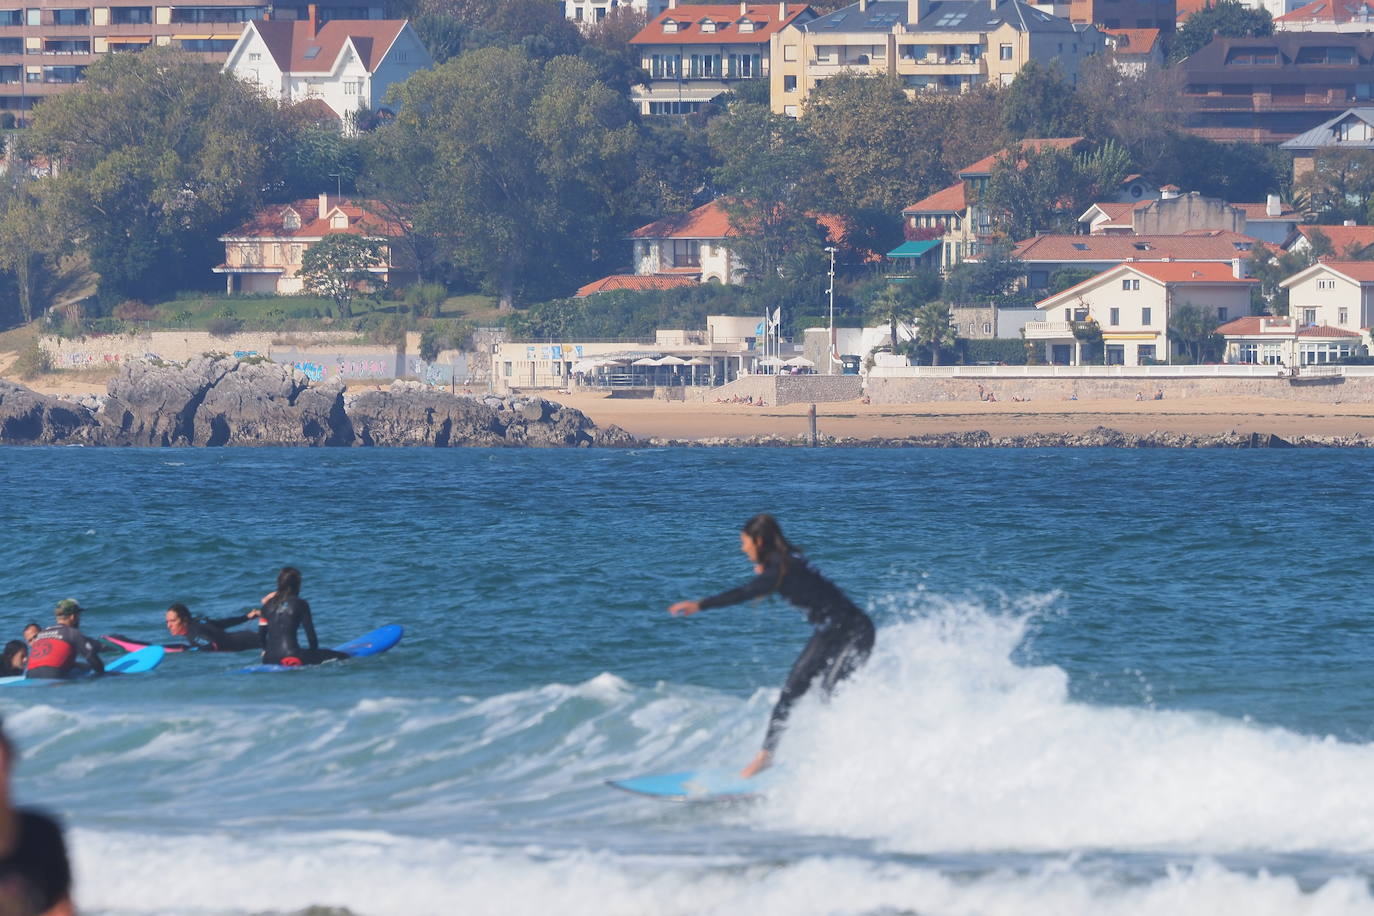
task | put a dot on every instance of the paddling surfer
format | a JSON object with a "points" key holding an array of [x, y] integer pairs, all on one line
{"points": [[284, 612], [843, 636], [212, 635]]}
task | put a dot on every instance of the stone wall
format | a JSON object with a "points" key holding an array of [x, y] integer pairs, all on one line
{"points": [[777, 390], [913, 390]]}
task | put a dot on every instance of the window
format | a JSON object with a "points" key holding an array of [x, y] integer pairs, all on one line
{"points": [[11, 17], [1248, 353], [71, 17], [253, 58], [1222, 312], [790, 110], [600, 13], [577, 17], [708, 25], [789, 84], [1114, 317], [1004, 52], [1144, 354], [1145, 315], [1342, 316], [508, 363], [1116, 355], [789, 52], [1309, 316], [987, 327], [1326, 284], [669, 26], [131, 15], [1130, 284]]}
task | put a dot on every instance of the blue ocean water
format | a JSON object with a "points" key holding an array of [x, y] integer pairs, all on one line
{"points": [[1133, 682]]}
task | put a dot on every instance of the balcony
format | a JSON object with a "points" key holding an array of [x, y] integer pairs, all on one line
{"points": [[1049, 330]]}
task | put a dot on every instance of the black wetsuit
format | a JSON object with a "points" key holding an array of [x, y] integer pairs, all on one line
{"points": [[209, 635], [840, 644], [281, 620], [55, 651], [35, 876]]}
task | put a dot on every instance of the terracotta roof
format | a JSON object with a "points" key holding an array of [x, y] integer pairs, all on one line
{"points": [[950, 200], [1360, 271], [984, 166], [1342, 237], [1330, 11], [709, 221], [1185, 8], [269, 222], [633, 282], [1116, 214], [1134, 41], [1209, 245], [1252, 326], [1261, 212], [1208, 272], [291, 41], [725, 17]]}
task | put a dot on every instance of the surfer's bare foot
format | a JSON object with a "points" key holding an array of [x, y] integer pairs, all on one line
{"points": [[760, 763]]}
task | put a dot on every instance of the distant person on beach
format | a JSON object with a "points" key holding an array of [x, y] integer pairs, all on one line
{"points": [[284, 612], [13, 662], [59, 650], [212, 635], [843, 637], [35, 876], [31, 632]]}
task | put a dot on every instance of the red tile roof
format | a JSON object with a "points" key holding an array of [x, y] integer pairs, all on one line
{"points": [[709, 221], [1255, 212], [1209, 245], [984, 166], [1208, 272], [1342, 237], [269, 222], [289, 40], [1329, 11], [950, 200], [633, 282], [726, 17], [1185, 8], [1134, 41], [1253, 326], [1359, 271]]}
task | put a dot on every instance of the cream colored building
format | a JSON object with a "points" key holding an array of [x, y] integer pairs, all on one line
{"points": [[1132, 304], [930, 45]]}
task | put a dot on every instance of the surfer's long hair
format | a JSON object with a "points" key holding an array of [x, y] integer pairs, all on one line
{"points": [[764, 530], [288, 584]]}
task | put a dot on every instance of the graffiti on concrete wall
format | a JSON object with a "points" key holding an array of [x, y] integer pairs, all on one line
{"points": [[313, 371]]}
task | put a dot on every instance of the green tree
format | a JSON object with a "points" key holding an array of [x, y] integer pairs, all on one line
{"points": [[992, 278], [160, 154], [425, 299], [1045, 190], [1194, 329], [764, 158], [1224, 19], [338, 267], [513, 170], [934, 329], [1340, 185], [1040, 102], [898, 301], [30, 243]]}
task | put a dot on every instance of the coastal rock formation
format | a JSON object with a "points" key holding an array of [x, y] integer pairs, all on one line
{"points": [[1101, 437], [28, 417], [225, 401]]}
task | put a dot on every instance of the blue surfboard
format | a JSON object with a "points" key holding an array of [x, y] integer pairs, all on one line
{"points": [[698, 785], [140, 662], [374, 643]]}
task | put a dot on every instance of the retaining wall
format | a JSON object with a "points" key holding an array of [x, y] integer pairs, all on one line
{"points": [[913, 390]]}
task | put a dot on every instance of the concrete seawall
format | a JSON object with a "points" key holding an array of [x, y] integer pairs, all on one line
{"points": [[780, 390], [1328, 390]]}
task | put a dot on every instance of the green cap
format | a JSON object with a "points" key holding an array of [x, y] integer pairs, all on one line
{"points": [[67, 607]]}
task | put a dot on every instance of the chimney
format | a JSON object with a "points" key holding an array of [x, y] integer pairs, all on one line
{"points": [[1238, 268], [672, 4], [1272, 207], [1168, 192], [782, 10], [314, 24], [743, 7], [324, 198], [915, 9], [863, 6]]}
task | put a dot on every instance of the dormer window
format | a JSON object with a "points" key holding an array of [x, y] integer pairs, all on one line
{"points": [[338, 221], [746, 25], [669, 26], [290, 219], [708, 25]]}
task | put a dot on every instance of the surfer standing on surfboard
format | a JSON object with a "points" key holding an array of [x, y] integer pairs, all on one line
{"points": [[843, 637]]}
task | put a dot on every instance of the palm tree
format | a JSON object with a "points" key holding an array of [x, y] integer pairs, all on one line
{"points": [[894, 303], [933, 329]]}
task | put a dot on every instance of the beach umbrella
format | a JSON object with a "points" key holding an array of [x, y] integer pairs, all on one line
{"points": [[698, 361], [645, 361], [672, 361], [800, 361], [770, 361]]}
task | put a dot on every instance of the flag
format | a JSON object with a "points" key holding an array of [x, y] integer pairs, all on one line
{"points": [[777, 317], [758, 331]]}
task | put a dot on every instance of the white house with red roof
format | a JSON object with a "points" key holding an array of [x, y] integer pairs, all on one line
{"points": [[1170, 213], [696, 51], [347, 64], [1044, 254], [1347, 241], [264, 254], [1328, 16], [1134, 51], [1132, 304], [1282, 340]]}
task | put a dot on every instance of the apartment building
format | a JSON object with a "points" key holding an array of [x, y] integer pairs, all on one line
{"points": [[931, 45], [694, 52], [590, 12], [1271, 89], [47, 47]]}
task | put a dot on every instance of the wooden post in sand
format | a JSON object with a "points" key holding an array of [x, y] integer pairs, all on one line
{"points": [[813, 425]]}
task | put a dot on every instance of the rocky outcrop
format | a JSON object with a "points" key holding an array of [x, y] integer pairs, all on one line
{"points": [[1101, 437], [28, 417], [225, 401]]}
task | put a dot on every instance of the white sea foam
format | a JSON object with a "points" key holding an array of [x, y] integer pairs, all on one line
{"points": [[944, 743]]}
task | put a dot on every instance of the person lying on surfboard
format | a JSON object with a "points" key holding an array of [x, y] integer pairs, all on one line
{"points": [[841, 642], [211, 635], [281, 616]]}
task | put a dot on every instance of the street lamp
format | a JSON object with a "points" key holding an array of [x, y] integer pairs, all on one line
{"points": [[830, 357]]}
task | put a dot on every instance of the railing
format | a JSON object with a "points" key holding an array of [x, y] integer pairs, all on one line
{"points": [[1207, 371], [1039, 330]]}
